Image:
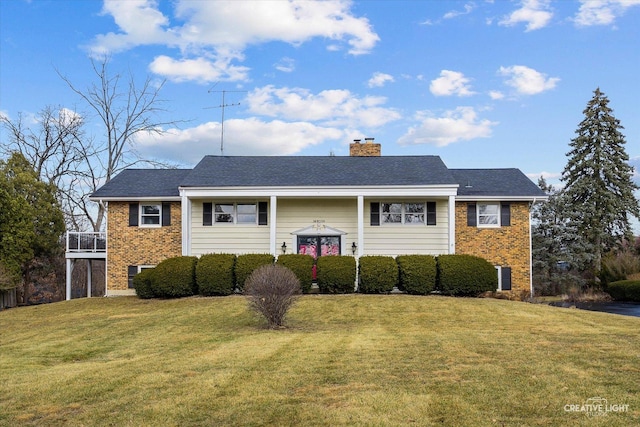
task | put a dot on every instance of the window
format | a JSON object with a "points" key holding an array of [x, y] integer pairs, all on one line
{"points": [[246, 214], [132, 270], [403, 213], [224, 213], [150, 214], [504, 278], [234, 213], [392, 213], [488, 215]]}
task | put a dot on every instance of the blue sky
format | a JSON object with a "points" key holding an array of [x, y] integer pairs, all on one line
{"points": [[480, 83]]}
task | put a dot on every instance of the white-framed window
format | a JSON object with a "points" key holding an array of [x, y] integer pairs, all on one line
{"points": [[504, 278], [488, 214], [235, 213], [150, 214], [132, 270], [408, 213]]}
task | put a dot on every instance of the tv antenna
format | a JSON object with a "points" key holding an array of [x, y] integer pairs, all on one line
{"points": [[222, 107]]}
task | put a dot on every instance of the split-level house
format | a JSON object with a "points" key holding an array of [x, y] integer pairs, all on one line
{"points": [[363, 204]]}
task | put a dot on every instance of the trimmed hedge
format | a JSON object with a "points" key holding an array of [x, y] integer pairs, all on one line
{"points": [[143, 283], [245, 264], [418, 273], [336, 274], [175, 277], [302, 267], [465, 275], [377, 274], [624, 290], [214, 274]]}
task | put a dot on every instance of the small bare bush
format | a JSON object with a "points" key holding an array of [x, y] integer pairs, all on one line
{"points": [[271, 291]]}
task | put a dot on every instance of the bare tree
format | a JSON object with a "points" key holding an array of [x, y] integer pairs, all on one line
{"points": [[56, 148], [78, 164], [124, 114]]}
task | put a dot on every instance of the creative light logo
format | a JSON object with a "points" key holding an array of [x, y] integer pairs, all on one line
{"points": [[596, 407]]}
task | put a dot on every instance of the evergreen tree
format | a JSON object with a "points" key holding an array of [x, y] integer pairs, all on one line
{"points": [[560, 253], [31, 222], [598, 179]]}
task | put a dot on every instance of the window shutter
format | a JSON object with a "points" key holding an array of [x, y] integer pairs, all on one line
{"points": [[505, 214], [207, 214], [472, 219], [133, 214], [506, 278], [262, 213], [375, 213], [431, 213], [132, 270], [166, 214]]}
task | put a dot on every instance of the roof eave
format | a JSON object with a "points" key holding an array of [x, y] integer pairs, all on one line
{"points": [[482, 198], [134, 199], [322, 191]]}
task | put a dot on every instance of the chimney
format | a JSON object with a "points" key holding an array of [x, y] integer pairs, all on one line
{"points": [[368, 149]]}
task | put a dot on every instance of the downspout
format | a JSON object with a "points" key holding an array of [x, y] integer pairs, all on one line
{"points": [[531, 249], [106, 248]]}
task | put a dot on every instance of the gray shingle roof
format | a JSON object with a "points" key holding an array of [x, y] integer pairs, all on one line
{"points": [[318, 171], [132, 183], [495, 183], [310, 171]]}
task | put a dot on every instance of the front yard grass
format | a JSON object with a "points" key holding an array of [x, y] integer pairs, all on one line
{"points": [[342, 360]]}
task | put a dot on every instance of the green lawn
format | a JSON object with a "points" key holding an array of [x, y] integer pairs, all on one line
{"points": [[343, 360]]}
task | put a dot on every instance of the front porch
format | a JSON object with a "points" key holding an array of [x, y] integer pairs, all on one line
{"points": [[87, 246]]}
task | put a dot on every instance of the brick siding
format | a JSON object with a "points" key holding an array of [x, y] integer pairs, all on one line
{"points": [[132, 245], [504, 246]]}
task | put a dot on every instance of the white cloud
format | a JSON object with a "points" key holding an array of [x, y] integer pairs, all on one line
{"points": [[468, 8], [535, 13], [456, 125], [380, 79], [286, 65], [250, 136], [200, 70], [221, 30], [450, 83], [496, 94], [330, 107], [602, 12], [527, 81]]}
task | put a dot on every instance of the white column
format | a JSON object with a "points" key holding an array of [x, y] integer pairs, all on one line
{"points": [[360, 226], [452, 224], [89, 278], [69, 272], [273, 205], [185, 206]]}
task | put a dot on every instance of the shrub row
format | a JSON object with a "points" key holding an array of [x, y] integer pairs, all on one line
{"points": [[221, 274], [624, 290], [210, 275], [457, 275]]}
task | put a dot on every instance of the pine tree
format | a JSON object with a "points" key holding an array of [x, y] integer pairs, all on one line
{"points": [[598, 179], [560, 253]]}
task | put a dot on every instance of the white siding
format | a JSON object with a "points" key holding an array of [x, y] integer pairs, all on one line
{"points": [[398, 239], [226, 238], [296, 214], [341, 213]]}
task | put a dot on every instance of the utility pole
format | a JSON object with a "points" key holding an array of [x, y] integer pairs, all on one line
{"points": [[223, 106]]}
